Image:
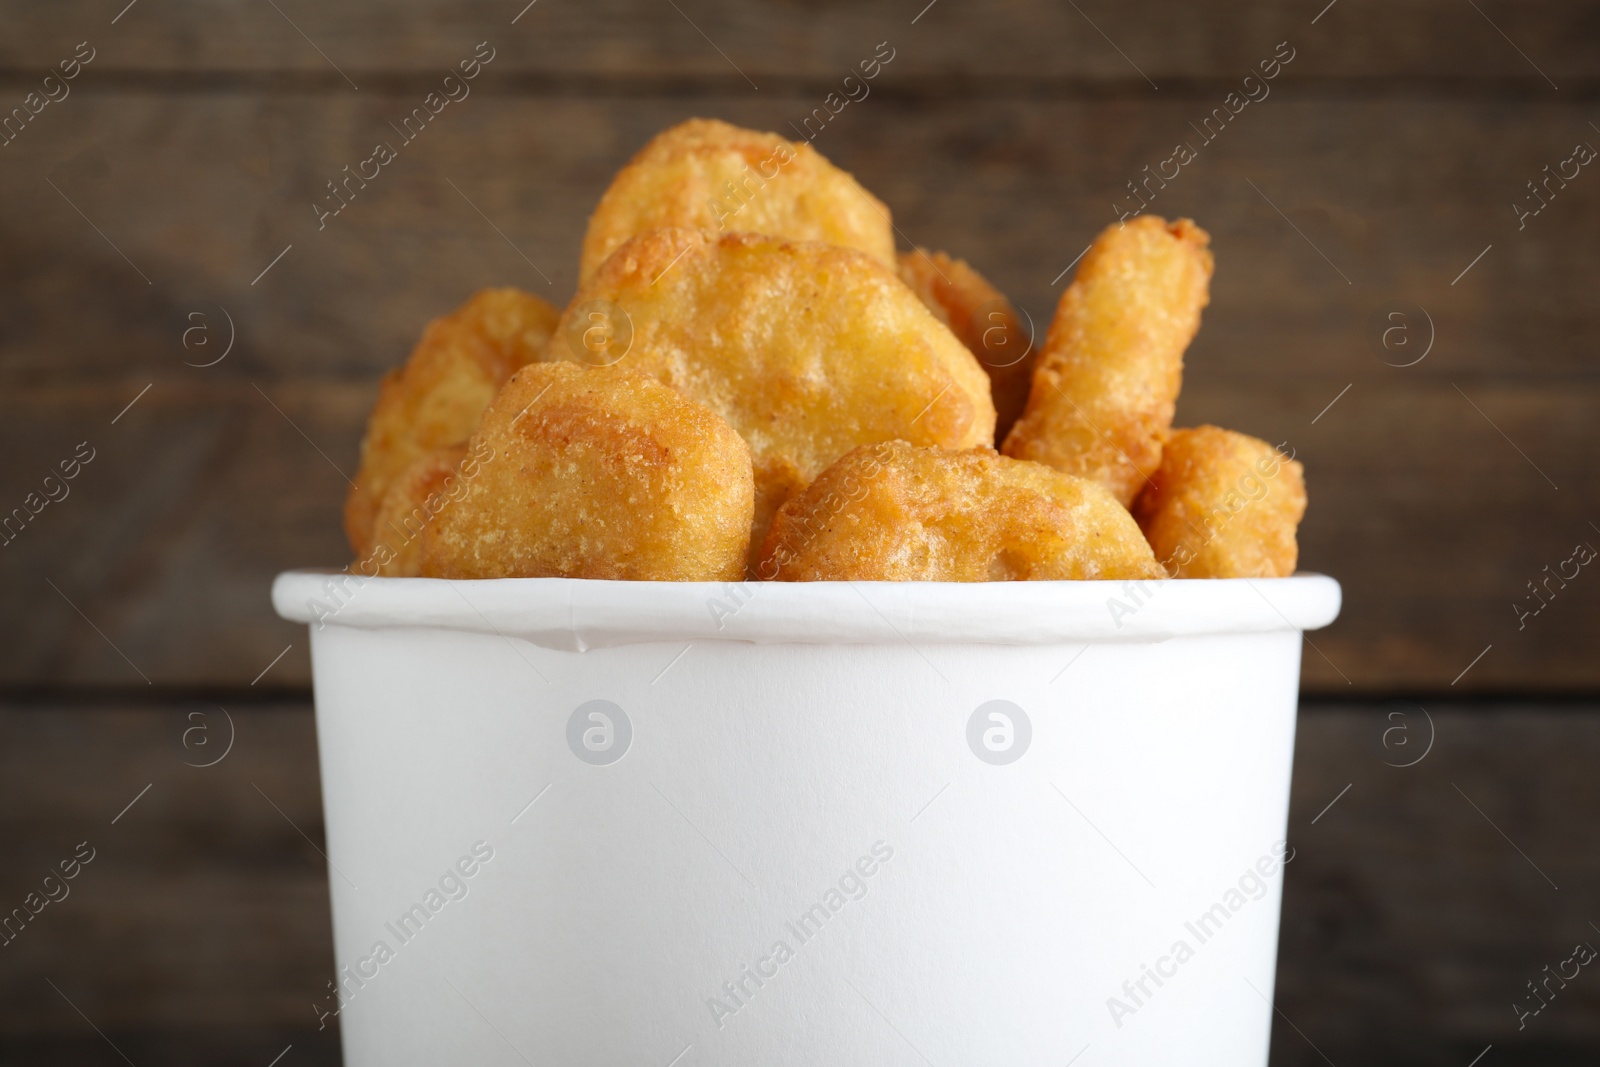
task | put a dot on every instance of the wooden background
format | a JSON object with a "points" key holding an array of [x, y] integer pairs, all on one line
{"points": [[1383, 165]]}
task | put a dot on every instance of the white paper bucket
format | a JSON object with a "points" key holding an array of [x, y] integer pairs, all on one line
{"points": [[575, 823]]}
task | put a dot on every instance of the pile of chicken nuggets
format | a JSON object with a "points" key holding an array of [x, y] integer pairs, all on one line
{"points": [[751, 383]]}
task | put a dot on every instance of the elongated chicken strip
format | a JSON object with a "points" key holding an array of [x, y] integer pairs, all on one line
{"points": [[1107, 381]]}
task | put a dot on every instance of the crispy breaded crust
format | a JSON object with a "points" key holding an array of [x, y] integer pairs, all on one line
{"points": [[422, 491], [712, 176], [808, 350], [984, 320], [894, 512], [1223, 505], [597, 473], [436, 398], [1107, 381]]}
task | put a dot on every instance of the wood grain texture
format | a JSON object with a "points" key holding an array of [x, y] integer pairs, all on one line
{"points": [[202, 192], [199, 933], [1422, 902], [206, 902], [773, 43], [1433, 487]]}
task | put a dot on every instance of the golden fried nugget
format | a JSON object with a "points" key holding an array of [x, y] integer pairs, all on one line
{"points": [[422, 491], [711, 176], [808, 350], [597, 473], [985, 322], [1107, 380], [436, 398], [1223, 505], [894, 512]]}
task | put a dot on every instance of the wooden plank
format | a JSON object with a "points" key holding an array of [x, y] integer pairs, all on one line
{"points": [[1018, 187], [176, 528], [1418, 908], [200, 929], [770, 44], [205, 901], [194, 1046]]}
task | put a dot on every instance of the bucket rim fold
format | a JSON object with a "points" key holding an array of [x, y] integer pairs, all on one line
{"points": [[576, 614]]}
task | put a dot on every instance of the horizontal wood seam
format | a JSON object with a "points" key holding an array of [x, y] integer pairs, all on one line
{"points": [[940, 86]]}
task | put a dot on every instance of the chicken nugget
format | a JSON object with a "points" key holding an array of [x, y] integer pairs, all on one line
{"points": [[1223, 505], [985, 322], [711, 176], [1107, 381], [807, 349], [597, 473], [422, 491], [437, 397], [894, 512]]}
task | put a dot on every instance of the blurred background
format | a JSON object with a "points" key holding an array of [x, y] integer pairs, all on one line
{"points": [[1404, 226]]}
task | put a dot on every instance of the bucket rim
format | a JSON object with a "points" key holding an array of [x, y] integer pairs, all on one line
{"points": [[577, 614]]}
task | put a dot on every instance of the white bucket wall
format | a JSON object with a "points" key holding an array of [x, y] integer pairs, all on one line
{"points": [[983, 911]]}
